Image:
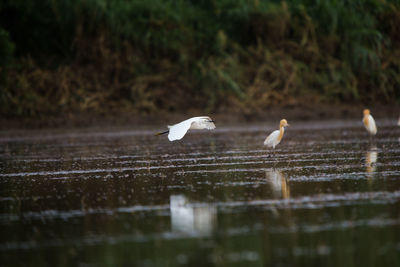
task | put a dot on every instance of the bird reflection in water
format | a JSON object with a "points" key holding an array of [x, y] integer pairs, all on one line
{"points": [[278, 183], [280, 189], [370, 161], [191, 219]]}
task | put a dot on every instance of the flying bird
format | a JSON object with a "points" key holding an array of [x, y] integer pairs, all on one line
{"points": [[178, 131], [369, 122], [276, 136]]}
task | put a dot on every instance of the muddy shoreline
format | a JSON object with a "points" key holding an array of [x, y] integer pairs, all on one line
{"points": [[131, 119], [325, 191]]}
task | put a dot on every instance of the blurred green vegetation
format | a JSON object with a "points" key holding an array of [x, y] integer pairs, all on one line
{"points": [[59, 56]]}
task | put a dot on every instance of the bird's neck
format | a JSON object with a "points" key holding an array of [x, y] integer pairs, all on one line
{"points": [[281, 131], [366, 121]]}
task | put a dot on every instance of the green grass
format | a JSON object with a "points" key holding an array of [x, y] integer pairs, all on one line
{"points": [[91, 55]]}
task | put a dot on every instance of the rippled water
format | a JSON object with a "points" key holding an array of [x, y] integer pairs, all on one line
{"points": [[328, 196]]}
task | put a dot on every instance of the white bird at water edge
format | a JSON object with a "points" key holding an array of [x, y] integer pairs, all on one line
{"points": [[369, 122], [276, 136], [178, 131]]}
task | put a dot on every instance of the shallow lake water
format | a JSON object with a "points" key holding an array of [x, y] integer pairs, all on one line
{"points": [[327, 196]]}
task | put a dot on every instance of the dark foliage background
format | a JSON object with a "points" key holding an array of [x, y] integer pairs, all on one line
{"points": [[59, 56]]}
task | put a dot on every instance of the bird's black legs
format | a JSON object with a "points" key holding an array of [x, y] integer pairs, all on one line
{"points": [[160, 133]]}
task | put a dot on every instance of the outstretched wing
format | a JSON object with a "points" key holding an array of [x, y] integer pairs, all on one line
{"points": [[177, 131], [203, 122]]}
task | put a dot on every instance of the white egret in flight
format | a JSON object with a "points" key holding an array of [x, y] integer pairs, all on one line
{"points": [[369, 122], [276, 136], [178, 131]]}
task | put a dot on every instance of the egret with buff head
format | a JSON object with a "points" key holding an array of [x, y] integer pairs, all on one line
{"points": [[369, 122], [276, 136]]}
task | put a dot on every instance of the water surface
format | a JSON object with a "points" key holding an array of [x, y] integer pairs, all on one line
{"points": [[328, 196]]}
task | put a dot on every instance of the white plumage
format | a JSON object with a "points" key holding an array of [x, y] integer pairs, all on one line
{"points": [[369, 122], [273, 139], [276, 136], [178, 131]]}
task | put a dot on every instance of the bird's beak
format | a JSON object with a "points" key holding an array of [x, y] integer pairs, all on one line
{"points": [[212, 121], [287, 124]]}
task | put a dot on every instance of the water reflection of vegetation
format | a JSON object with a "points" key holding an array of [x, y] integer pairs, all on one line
{"points": [[103, 55]]}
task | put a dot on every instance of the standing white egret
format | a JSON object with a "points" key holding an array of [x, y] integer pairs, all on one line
{"points": [[369, 122], [178, 131], [276, 136]]}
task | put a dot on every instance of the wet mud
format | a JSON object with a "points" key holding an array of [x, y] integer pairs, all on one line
{"points": [[328, 195]]}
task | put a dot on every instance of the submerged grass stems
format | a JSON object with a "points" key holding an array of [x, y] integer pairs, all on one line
{"points": [[171, 55]]}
